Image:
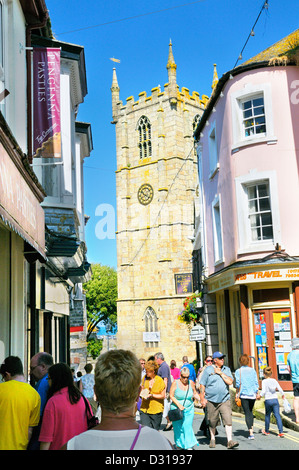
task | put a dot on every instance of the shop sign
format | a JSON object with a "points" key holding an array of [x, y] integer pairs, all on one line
{"points": [[183, 283], [19, 206], [268, 275]]}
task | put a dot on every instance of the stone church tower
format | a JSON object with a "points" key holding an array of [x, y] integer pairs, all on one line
{"points": [[156, 184]]}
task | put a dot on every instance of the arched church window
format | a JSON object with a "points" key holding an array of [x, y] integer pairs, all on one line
{"points": [[151, 327], [144, 131]]}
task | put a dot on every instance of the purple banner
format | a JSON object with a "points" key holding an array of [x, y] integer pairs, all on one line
{"points": [[46, 103]]}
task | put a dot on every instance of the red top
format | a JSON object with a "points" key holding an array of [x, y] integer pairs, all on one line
{"points": [[62, 420], [176, 373]]}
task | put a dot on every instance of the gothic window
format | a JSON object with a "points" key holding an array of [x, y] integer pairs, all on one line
{"points": [[151, 326], [144, 131]]}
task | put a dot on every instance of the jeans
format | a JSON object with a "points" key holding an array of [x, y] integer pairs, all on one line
{"points": [[272, 406]]}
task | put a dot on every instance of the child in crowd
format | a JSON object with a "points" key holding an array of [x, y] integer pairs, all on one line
{"points": [[269, 388]]}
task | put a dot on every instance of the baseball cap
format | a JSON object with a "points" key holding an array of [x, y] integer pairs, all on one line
{"points": [[218, 355]]}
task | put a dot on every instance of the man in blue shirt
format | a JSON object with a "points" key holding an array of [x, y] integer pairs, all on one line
{"points": [[39, 365], [293, 366], [214, 394], [192, 375]]}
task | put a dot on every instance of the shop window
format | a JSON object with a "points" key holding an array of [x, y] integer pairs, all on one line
{"points": [[270, 295]]}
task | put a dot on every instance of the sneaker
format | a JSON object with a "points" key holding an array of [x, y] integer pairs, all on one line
{"points": [[281, 434], [265, 433], [212, 444], [251, 437], [232, 444]]}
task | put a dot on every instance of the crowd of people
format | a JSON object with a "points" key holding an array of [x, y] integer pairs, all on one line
{"points": [[58, 412]]}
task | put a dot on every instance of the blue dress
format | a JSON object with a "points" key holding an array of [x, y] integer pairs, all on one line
{"points": [[184, 436]]}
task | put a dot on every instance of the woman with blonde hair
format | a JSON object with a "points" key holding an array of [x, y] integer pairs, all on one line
{"points": [[117, 388], [182, 394], [152, 393]]}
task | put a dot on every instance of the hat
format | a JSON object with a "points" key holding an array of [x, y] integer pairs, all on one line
{"points": [[218, 355]]}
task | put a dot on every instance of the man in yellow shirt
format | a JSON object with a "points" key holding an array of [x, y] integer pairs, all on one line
{"points": [[19, 406]]}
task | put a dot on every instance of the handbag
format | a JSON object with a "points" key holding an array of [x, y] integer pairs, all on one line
{"points": [[92, 420], [177, 414], [237, 398]]}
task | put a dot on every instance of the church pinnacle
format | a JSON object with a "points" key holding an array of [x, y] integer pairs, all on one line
{"points": [[115, 94], [171, 68]]}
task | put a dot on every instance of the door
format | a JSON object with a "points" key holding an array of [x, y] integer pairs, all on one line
{"points": [[273, 343]]}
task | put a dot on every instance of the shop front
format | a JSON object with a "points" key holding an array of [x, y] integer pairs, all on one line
{"points": [[267, 307], [22, 244]]}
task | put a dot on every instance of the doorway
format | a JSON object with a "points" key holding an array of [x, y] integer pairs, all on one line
{"points": [[272, 328]]}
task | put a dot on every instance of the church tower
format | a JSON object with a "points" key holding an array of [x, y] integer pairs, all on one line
{"points": [[156, 189]]}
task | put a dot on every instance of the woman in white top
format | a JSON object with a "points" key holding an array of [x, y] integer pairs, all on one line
{"points": [[117, 388], [269, 388]]}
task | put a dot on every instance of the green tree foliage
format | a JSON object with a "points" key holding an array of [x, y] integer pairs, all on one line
{"points": [[101, 295]]}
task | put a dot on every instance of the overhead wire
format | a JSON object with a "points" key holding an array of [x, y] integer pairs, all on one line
{"points": [[264, 7], [131, 17]]}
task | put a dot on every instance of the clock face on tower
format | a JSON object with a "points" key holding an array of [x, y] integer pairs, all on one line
{"points": [[145, 194]]}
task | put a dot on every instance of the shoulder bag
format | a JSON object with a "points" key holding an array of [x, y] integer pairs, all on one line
{"points": [[177, 414], [92, 420], [237, 396]]}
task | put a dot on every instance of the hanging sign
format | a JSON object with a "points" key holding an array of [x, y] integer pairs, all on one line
{"points": [[46, 103]]}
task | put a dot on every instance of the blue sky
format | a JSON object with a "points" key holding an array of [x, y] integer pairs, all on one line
{"points": [[137, 33]]}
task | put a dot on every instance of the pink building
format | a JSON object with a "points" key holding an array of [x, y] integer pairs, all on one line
{"points": [[248, 232]]}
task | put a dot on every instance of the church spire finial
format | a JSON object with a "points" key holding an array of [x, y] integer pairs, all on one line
{"points": [[171, 63], [215, 78]]}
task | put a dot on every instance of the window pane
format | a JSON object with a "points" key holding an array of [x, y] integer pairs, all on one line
{"points": [[247, 104], [252, 194], [267, 233], [263, 190], [255, 220], [256, 234], [266, 218], [247, 113], [264, 204], [258, 101], [259, 110], [253, 206], [261, 129]]}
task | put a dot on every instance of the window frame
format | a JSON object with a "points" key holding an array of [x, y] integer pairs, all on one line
{"points": [[213, 151], [250, 92], [259, 212], [217, 231], [246, 245]]}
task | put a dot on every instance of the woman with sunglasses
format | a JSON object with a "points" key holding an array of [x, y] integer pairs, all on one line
{"points": [[182, 394]]}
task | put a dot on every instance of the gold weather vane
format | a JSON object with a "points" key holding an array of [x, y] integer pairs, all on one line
{"points": [[115, 60]]}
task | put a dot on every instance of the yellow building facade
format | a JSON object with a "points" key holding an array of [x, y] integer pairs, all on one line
{"points": [[156, 188]]}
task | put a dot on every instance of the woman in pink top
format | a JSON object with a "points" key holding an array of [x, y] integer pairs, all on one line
{"points": [[174, 370], [65, 412]]}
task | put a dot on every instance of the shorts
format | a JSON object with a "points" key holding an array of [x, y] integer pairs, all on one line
{"points": [[214, 410], [296, 389]]}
